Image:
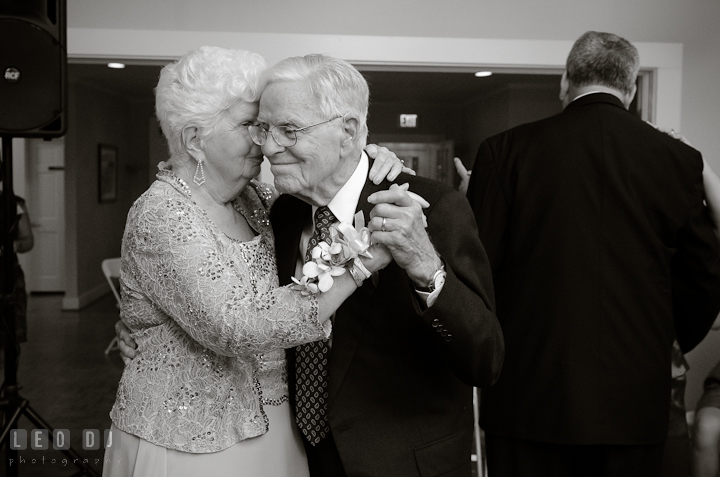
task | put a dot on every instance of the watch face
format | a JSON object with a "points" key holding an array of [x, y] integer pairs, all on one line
{"points": [[439, 280]]}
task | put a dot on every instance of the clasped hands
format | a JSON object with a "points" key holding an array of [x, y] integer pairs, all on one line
{"points": [[397, 221]]}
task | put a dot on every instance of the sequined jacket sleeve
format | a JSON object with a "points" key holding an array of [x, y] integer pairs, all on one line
{"points": [[177, 261]]}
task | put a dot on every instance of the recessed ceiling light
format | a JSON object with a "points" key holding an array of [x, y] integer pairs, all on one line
{"points": [[116, 65], [481, 74]]}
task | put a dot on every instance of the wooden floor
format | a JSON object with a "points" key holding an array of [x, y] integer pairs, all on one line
{"points": [[67, 378]]}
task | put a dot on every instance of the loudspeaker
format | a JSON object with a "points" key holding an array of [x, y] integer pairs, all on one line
{"points": [[33, 68]]}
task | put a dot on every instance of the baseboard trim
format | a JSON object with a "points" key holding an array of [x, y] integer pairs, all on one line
{"points": [[84, 299]]}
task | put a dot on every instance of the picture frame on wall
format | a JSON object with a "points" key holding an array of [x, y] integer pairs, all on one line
{"points": [[107, 173]]}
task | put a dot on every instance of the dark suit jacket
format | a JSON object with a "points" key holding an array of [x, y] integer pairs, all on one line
{"points": [[400, 379], [601, 248]]}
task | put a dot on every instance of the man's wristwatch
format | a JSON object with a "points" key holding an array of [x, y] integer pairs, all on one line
{"points": [[437, 280]]}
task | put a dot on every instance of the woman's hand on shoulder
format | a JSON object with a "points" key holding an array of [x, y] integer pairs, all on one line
{"points": [[464, 175], [386, 164]]}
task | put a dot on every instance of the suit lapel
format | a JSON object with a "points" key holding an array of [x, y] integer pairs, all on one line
{"points": [[345, 339], [288, 217], [368, 190]]}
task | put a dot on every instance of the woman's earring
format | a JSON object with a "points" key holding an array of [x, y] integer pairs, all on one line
{"points": [[199, 177]]}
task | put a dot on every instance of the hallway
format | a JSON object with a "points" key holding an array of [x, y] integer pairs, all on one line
{"points": [[66, 377]]}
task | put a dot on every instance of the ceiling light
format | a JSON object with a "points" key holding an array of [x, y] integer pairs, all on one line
{"points": [[116, 65], [481, 74]]}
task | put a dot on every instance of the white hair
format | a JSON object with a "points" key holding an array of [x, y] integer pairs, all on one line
{"points": [[339, 88], [201, 85]]}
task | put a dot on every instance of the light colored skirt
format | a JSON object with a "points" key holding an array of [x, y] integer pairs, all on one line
{"points": [[277, 453]]}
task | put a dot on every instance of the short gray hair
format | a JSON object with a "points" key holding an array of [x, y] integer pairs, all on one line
{"points": [[606, 59], [339, 88], [197, 88]]}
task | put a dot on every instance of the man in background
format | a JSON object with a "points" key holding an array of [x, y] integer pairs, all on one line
{"points": [[602, 252]]}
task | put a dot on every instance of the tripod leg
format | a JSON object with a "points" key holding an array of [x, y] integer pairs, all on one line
{"points": [[8, 424], [41, 424], [13, 420]]}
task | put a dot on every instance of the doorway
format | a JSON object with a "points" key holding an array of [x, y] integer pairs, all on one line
{"points": [[432, 160], [45, 174]]}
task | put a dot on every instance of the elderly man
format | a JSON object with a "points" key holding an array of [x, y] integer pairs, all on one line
{"points": [[602, 252], [391, 393]]}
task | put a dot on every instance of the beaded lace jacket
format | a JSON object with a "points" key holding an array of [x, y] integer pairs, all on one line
{"points": [[209, 319]]}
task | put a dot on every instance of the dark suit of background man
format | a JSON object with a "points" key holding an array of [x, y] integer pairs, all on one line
{"points": [[406, 349], [601, 252]]}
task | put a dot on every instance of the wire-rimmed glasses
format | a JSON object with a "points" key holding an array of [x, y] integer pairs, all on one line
{"points": [[285, 136]]}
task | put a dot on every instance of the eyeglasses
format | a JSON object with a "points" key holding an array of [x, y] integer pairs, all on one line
{"points": [[285, 136]]}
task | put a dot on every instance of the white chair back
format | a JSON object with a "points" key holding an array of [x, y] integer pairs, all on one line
{"points": [[111, 270]]}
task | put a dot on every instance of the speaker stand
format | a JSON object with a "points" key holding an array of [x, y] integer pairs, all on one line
{"points": [[12, 405]]}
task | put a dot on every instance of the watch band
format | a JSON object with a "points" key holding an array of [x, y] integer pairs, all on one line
{"points": [[432, 284]]}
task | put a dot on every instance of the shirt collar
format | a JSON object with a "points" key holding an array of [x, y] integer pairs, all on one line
{"points": [[585, 94], [345, 202]]}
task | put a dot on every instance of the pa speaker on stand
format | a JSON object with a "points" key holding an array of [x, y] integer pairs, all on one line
{"points": [[33, 63], [33, 102]]}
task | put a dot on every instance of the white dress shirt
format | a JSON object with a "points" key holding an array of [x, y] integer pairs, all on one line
{"points": [[343, 207]]}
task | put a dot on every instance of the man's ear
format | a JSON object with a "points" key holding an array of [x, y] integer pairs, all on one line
{"points": [[350, 132], [630, 96], [192, 142], [564, 88]]}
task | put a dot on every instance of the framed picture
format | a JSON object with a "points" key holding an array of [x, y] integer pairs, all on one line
{"points": [[107, 173]]}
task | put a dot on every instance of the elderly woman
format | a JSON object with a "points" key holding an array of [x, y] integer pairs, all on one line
{"points": [[207, 392]]}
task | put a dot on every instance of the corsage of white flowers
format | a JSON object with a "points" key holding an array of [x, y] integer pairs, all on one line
{"points": [[347, 244]]}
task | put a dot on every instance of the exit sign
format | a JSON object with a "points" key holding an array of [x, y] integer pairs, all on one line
{"points": [[408, 120]]}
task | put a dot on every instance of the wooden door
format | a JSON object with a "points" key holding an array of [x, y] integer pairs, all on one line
{"points": [[432, 160]]}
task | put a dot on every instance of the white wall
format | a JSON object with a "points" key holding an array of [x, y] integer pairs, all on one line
{"points": [[94, 230]]}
